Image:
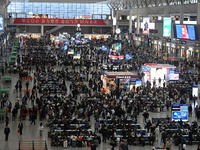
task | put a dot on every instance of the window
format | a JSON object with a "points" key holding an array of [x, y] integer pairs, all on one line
{"points": [[66, 10]]}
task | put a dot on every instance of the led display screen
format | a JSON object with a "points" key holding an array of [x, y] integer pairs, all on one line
{"points": [[167, 26], [104, 48], [70, 51], [117, 47], [180, 111], [195, 90], [173, 76], [1, 23], [187, 32], [146, 21], [128, 56], [77, 56], [78, 42]]}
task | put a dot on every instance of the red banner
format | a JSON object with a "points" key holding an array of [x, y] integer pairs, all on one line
{"points": [[114, 56], [60, 21]]}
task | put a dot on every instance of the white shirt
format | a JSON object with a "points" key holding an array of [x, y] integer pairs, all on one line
{"points": [[41, 127]]}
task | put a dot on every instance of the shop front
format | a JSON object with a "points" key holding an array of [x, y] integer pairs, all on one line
{"points": [[197, 52], [119, 81], [138, 41], [29, 35], [189, 52], [159, 47], [183, 51], [145, 41], [155, 45], [167, 48], [97, 36], [171, 51]]}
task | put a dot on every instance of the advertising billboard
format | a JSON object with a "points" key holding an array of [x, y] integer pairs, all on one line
{"points": [[1, 23], [167, 21], [187, 32], [70, 51], [180, 111], [195, 90], [77, 56], [145, 27]]}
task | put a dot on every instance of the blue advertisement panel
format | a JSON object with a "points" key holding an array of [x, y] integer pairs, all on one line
{"points": [[1, 23], [167, 21], [180, 111], [185, 32], [191, 32]]}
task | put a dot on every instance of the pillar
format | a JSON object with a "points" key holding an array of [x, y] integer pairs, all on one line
{"points": [[42, 30], [198, 12], [138, 22], [130, 21], [166, 11], [181, 14], [116, 15], [114, 20]]}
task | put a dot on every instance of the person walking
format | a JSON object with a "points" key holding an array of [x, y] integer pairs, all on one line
{"points": [[6, 132], [33, 117], [20, 127], [41, 128]]}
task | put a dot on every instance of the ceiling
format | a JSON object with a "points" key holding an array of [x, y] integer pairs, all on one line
{"points": [[69, 1]]}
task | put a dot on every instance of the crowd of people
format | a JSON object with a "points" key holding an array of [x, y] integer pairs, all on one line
{"points": [[66, 92]]}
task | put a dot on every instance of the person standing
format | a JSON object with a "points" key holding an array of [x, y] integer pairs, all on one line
{"points": [[6, 132], [96, 125], [164, 137], [20, 127], [41, 127], [157, 133], [27, 85], [168, 144], [104, 134]]}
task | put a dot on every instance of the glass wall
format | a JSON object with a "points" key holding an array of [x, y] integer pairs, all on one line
{"points": [[25, 9]]}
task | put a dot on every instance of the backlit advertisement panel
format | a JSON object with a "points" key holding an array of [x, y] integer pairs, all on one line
{"points": [[1, 23], [145, 27], [167, 26], [186, 32], [180, 111]]}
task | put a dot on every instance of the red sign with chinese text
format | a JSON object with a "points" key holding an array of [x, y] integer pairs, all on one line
{"points": [[60, 21], [114, 56]]}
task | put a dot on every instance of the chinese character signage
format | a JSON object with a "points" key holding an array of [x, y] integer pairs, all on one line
{"points": [[1, 23], [59, 21], [167, 26], [146, 21]]}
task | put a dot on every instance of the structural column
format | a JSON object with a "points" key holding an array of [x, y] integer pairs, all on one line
{"points": [[42, 30], [130, 21], [166, 11], [116, 15], [138, 22], [181, 14], [198, 12]]}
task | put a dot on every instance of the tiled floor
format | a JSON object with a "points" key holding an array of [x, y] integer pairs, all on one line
{"points": [[32, 132]]}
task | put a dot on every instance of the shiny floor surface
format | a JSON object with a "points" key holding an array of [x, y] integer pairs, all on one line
{"points": [[31, 132]]}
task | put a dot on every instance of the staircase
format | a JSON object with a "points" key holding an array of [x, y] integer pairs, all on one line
{"points": [[54, 29], [32, 145]]}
